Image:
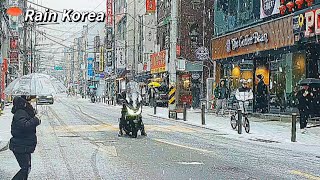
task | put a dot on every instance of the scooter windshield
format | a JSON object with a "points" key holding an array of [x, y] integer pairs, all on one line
{"points": [[133, 94]]}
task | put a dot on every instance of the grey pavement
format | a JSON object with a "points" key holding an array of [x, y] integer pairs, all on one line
{"points": [[78, 140]]}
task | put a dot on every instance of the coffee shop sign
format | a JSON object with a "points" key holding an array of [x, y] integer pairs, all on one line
{"points": [[243, 41]]}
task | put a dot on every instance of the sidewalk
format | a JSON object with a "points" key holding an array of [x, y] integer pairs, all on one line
{"points": [[268, 132], [5, 127]]}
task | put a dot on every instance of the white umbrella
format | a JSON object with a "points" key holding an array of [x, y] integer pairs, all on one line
{"points": [[34, 84]]}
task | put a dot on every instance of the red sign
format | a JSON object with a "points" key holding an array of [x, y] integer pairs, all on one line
{"points": [[158, 62], [145, 66], [3, 75], [109, 19], [312, 19], [151, 6], [13, 43], [14, 57]]}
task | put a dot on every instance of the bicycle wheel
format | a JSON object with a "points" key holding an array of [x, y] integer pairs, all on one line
{"points": [[246, 125], [233, 122]]}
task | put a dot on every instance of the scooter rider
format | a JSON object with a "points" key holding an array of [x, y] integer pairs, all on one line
{"points": [[244, 94], [122, 121]]}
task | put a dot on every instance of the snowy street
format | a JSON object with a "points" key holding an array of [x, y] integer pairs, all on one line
{"points": [[78, 140]]}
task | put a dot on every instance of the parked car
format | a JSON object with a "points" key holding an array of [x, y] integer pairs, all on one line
{"points": [[45, 99]]}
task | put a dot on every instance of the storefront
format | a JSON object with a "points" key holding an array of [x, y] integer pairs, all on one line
{"points": [[189, 80], [267, 49]]}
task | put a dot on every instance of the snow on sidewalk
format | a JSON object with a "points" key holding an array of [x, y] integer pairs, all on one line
{"points": [[5, 126], [276, 134]]}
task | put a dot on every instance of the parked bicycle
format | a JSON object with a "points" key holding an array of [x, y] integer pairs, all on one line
{"points": [[245, 121], [243, 95]]}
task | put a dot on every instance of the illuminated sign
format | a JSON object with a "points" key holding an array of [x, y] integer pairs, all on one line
{"points": [[312, 19]]}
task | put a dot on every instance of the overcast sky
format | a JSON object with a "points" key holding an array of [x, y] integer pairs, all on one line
{"points": [[70, 28]]}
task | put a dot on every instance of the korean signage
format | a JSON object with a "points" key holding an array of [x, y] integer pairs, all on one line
{"points": [[101, 62], [158, 62], [109, 19], [269, 8], [149, 40], [14, 57], [14, 53], [109, 58], [96, 43], [90, 67], [108, 38], [270, 35], [150, 6], [306, 25], [120, 55], [14, 43]]}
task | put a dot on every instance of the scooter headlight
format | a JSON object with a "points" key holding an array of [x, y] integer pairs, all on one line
{"points": [[130, 112]]}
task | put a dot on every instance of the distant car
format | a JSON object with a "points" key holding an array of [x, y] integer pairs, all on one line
{"points": [[45, 99]]}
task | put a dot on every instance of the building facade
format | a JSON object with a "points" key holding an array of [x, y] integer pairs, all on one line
{"points": [[271, 45]]}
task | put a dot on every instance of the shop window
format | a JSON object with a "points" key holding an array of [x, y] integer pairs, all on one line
{"points": [[298, 67]]}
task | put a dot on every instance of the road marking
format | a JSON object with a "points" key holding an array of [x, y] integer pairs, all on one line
{"points": [[183, 146], [308, 176], [190, 163], [107, 150], [103, 127]]}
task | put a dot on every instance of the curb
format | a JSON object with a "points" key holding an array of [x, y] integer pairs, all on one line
{"points": [[183, 122]]}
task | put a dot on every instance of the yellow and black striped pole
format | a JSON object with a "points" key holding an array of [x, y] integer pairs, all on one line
{"points": [[172, 95]]}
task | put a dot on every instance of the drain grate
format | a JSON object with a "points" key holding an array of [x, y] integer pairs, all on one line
{"points": [[264, 140]]}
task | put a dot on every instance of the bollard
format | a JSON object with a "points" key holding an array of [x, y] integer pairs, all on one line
{"points": [[155, 109], [239, 121], [184, 111], [294, 128], [203, 116], [112, 101]]}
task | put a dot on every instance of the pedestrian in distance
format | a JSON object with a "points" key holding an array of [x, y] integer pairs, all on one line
{"points": [[262, 94], [24, 138], [221, 94], [305, 97]]}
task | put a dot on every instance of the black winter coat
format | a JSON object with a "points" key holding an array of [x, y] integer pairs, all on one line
{"points": [[23, 127]]}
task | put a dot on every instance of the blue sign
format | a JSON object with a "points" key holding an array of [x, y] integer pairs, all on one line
{"points": [[90, 67], [102, 75]]}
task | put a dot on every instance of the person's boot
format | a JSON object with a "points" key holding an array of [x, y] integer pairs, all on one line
{"points": [[120, 133], [143, 132]]}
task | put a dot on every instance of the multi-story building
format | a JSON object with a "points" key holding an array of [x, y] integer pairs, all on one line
{"points": [[195, 28], [264, 38]]}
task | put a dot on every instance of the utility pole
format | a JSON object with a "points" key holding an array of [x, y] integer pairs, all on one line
{"points": [[134, 39], [114, 40], [173, 52], [25, 56]]}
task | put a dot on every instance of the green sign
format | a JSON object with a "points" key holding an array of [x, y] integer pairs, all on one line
{"points": [[58, 68]]}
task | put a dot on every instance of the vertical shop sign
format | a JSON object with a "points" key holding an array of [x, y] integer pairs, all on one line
{"points": [[101, 62], [158, 62], [109, 58], [90, 67], [151, 6], [13, 53], [96, 44], [109, 19]]}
